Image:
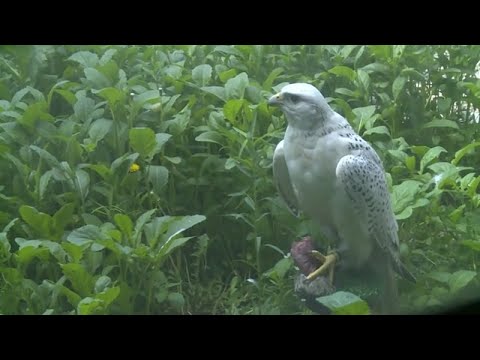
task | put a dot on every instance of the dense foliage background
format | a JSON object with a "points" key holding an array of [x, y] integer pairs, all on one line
{"points": [[197, 226]]}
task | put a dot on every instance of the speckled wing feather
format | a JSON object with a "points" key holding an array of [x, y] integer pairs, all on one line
{"points": [[364, 182], [282, 180]]}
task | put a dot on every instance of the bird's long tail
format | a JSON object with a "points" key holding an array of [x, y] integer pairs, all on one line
{"points": [[403, 271], [389, 291]]}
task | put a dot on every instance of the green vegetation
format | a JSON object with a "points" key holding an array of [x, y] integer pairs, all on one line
{"points": [[137, 179]]}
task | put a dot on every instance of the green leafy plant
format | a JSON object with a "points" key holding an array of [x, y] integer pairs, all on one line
{"points": [[137, 179]]}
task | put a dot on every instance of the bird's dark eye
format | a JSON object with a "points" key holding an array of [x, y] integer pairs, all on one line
{"points": [[294, 98]]}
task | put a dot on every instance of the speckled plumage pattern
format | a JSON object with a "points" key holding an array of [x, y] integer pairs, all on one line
{"points": [[323, 168]]}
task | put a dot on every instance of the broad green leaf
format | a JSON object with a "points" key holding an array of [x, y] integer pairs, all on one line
{"points": [[27, 253], [112, 95], [45, 155], [109, 295], [430, 155], [460, 279], [110, 71], [230, 163], [440, 276], [179, 123], [82, 282], [161, 295], [364, 79], [441, 123], [210, 136], [35, 112], [16, 132], [91, 219], [464, 151], [161, 139], [75, 252], [405, 214], [85, 235], [419, 150], [96, 78], [124, 223], [158, 176], [82, 183], [472, 244], [376, 67], [456, 214], [19, 95], [227, 74], [467, 180], [347, 50], [383, 52], [217, 91], [235, 87], [231, 109], [102, 283], [85, 58], [67, 95], [414, 74], [107, 56], [344, 71], [22, 243], [7, 228], [202, 74], [43, 184], [40, 222], [345, 303], [143, 141], [173, 159], [404, 194], [398, 86], [377, 130], [444, 104], [150, 96], [282, 267], [63, 217], [99, 129], [182, 223], [398, 51], [71, 296], [364, 113], [5, 246], [123, 163], [156, 228], [140, 223], [267, 84], [176, 300], [56, 250], [410, 163], [228, 50], [73, 151], [174, 71], [84, 107], [443, 167], [90, 306], [171, 245], [101, 170]]}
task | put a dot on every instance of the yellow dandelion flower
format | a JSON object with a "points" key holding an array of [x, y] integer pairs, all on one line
{"points": [[134, 167]]}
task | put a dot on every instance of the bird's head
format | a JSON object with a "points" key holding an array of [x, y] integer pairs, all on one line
{"points": [[303, 105]]}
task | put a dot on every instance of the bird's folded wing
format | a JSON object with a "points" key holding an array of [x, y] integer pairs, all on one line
{"points": [[365, 185], [282, 179]]}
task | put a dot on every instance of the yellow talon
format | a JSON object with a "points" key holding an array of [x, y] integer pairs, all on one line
{"points": [[328, 264]]}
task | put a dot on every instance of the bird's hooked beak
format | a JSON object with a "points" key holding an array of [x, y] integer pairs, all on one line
{"points": [[276, 100]]}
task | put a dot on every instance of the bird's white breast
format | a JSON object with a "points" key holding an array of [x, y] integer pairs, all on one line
{"points": [[312, 161]]}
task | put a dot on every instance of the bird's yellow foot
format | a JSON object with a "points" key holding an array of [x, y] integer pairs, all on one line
{"points": [[328, 264]]}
